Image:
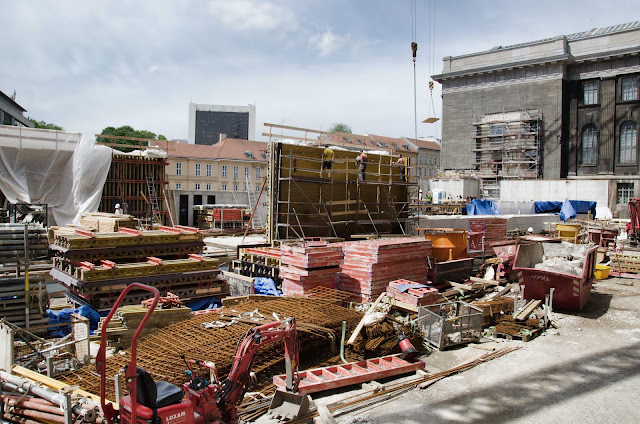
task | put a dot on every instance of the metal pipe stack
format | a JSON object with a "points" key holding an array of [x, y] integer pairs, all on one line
{"points": [[14, 237]]}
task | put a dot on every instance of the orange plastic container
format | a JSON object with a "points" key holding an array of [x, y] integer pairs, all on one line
{"points": [[448, 244]]}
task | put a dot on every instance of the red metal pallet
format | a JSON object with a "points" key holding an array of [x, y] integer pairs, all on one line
{"points": [[320, 379]]}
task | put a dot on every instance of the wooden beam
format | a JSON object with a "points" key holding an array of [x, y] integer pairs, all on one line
{"points": [[361, 323]]}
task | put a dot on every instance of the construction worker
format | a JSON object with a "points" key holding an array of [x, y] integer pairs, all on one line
{"points": [[327, 160], [401, 166], [361, 161], [118, 209]]}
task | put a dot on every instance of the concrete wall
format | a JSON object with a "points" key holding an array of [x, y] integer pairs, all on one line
{"points": [[536, 190], [457, 187], [537, 222]]}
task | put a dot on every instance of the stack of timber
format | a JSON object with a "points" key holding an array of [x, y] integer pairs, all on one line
{"points": [[370, 265], [15, 237], [126, 320], [493, 229], [21, 306], [129, 181], [95, 267], [625, 262], [220, 218], [102, 222], [262, 262], [309, 265]]}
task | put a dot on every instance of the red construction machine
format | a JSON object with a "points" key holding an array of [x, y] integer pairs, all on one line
{"points": [[205, 400], [633, 227]]}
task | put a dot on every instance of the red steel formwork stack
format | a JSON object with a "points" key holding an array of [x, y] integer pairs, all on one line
{"points": [[370, 265], [309, 265], [493, 228]]}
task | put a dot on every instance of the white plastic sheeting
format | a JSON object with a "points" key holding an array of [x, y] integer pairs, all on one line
{"points": [[64, 170]]}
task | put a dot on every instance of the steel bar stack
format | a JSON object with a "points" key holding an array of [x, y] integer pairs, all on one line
{"points": [[95, 267], [204, 337], [23, 298], [14, 238], [309, 265], [370, 265]]}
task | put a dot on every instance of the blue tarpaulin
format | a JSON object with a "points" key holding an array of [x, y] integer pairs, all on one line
{"points": [[584, 206], [204, 304], [57, 317], [482, 207], [266, 286], [564, 209]]}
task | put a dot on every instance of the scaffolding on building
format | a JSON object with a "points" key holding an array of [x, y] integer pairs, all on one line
{"points": [[136, 181], [506, 146], [339, 204]]}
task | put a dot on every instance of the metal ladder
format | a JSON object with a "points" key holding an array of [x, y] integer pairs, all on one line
{"points": [[257, 218], [153, 199]]}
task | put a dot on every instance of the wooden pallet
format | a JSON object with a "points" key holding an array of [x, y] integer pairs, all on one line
{"points": [[524, 337]]}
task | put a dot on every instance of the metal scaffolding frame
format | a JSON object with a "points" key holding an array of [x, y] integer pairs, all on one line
{"points": [[506, 146], [302, 204]]}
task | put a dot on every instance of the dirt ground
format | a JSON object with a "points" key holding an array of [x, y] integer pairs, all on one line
{"points": [[586, 371]]}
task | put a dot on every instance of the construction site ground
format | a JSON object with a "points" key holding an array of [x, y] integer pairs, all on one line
{"points": [[588, 370]]}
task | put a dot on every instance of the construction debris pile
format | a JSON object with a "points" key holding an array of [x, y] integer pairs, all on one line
{"points": [[318, 321], [95, 267]]}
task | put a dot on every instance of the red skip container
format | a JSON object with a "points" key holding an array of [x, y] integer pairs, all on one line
{"points": [[572, 292]]}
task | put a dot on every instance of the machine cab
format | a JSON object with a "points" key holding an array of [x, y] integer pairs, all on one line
{"points": [[156, 400]]}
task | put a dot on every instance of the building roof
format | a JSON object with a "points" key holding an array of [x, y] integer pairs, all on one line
{"points": [[424, 144], [11, 101], [229, 149]]}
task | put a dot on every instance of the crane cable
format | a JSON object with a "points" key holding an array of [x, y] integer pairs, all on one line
{"points": [[431, 61], [414, 50]]}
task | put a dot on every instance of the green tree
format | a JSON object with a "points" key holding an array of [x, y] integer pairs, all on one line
{"points": [[340, 127], [45, 125], [130, 132]]}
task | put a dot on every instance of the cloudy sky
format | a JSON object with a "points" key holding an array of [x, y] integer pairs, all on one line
{"points": [[86, 65]]}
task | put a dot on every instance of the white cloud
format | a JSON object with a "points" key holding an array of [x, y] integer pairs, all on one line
{"points": [[246, 15], [327, 43], [153, 68]]}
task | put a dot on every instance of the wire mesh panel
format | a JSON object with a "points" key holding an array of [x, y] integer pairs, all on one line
{"points": [[449, 324]]}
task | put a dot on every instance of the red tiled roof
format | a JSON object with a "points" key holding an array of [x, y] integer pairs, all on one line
{"points": [[368, 141], [424, 144], [229, 148]]}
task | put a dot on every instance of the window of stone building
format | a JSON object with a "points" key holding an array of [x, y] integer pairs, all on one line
{"points": [[258, 170], [235, 187], [628, 142], [224, 171], [235, 172], [224, 187], [208, 170], [625, 192], [246, 172], [178, 186], [629, 88], [197, 186], [590, 92], [197, 169], [589, 145], [208, 187], [178, 168]]}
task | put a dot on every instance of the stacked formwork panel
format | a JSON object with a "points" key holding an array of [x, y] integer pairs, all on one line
{"points": [[138, 182], [96, 267], [338, 204], [309, 265], [492, 229], [370, 265]]}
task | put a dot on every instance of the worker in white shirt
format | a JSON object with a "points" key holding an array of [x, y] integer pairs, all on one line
{"points": [[118, 209]]}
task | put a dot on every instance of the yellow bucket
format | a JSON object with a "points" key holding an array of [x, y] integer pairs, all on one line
{"points": [[602, 272]]}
